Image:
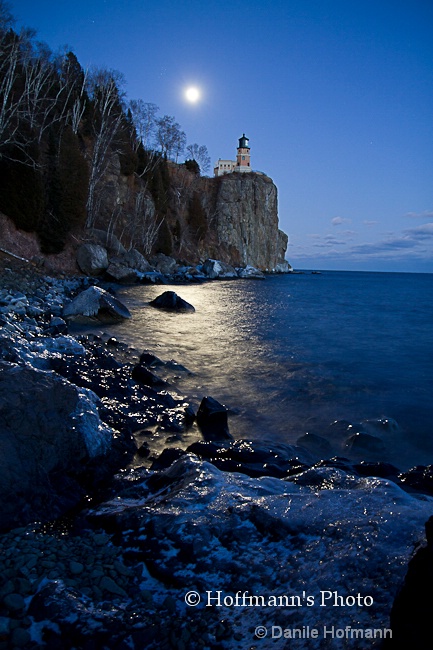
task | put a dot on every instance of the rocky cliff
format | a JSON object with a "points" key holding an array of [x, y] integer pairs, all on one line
{"points": [[246, 220], [233, 218]]}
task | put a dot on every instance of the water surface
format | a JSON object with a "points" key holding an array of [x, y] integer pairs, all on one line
{"points": [[293, 353]]}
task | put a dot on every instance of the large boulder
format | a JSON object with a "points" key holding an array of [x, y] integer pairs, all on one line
{"points": [[97, 303], [212, 420], [217, 269], [128, 266], [133, 259], [164, 264], [283, 267], [411, 612], [250, 272], [144, 376], [92, 259], [364, 443], [171, 301], [107, 240], [121, 273], [50, 433]]}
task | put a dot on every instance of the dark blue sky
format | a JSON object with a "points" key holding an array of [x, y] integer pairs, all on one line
{"points": [[335, 96]]}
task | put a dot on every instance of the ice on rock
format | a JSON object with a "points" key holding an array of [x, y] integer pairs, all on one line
{"points": [[225, 532]]}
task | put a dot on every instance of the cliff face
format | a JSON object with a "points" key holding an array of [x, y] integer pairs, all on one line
{"points": [[246, 220], [233, 218]]}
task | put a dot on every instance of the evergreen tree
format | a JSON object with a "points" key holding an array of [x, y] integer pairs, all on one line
{"points": [[22, 190], [66, 194], [164, 242], [192, 166]]}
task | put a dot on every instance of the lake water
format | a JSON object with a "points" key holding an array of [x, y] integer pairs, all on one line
{"points": [[294, 353]]}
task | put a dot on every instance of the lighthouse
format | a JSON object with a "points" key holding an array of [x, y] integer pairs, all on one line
{"points": [[242, 162], [243, 155]]}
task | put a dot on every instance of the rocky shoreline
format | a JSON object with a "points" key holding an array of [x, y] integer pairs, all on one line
{"points": [[99, 549]]}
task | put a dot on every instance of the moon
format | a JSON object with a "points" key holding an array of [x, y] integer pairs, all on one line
{"points": [[192, 94]]}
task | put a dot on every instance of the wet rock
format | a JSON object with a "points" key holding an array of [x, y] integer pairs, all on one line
{"points": [[171, 301], [63, 344], [212, 420], [202, 524], [144, 376], [166, 458], [51, 431], [150, 359], [337, 462], [92, 259], [380, 469], [325, 478], [127, 404], [364, 443], [381, 426], [96, 303], [143, 450], [315, 444], [338, 430], [419, 477], [252, 458]]}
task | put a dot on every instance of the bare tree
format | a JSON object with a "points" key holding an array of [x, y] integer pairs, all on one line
{"points": [[103, 89], [34, 94], [79, 106], [73, 86], [10, 105], [147, 223], [200, 155], [169, 137], [179, 145], [142, 225], [144, 119]]}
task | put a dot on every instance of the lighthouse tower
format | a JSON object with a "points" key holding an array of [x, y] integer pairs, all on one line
{"points": [[243, 155], [242, 162]]}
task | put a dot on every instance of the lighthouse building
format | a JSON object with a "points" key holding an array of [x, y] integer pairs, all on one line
{"points": [[242, 162]]}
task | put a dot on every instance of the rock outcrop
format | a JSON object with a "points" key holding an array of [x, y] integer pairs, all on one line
{"points": [[172, 302], [45, 448], [96, 303], [246, 222], [212, 420]]}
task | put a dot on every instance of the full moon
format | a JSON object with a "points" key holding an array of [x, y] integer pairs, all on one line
{"points": [[192, 94]]}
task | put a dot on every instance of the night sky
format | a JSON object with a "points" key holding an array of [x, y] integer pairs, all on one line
{"points": [[335, 96]]}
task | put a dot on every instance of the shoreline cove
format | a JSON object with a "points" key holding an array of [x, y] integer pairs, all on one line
{"points": [[223, 517]]}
